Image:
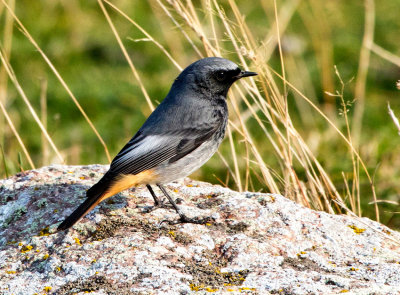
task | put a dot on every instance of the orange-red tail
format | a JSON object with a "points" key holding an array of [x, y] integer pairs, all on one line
{"points": [[108, 186]]}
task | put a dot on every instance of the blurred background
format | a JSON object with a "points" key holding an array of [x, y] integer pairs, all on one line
{"points": [[326, 64]]}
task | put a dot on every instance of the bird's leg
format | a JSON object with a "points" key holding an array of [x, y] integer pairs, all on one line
{"points": [[183, 218], [156, 200]]}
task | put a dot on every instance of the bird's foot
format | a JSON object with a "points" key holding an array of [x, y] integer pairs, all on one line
{"points": [[159, 204]]}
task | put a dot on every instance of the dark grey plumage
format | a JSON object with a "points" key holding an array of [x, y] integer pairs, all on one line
{"points": [[181, 134]]}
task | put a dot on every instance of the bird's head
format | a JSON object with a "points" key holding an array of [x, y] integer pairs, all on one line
{"points": [[211, 76]]}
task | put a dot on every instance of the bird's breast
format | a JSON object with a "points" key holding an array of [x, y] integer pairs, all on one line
{"points": [[192, 161]]}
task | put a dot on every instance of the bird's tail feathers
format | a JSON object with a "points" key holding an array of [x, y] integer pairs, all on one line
{"points": [[94, 196]]}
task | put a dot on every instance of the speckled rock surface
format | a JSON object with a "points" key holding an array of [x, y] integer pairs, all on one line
{"points": [[258, 243]]}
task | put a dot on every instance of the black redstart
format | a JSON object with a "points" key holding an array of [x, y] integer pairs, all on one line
{"points": [[181, 134]]}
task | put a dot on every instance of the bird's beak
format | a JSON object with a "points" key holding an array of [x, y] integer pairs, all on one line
{"points": [[246, 74]]}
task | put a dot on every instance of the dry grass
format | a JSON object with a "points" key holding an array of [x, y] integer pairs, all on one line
{"points": [[263, 100], [270, 101]]}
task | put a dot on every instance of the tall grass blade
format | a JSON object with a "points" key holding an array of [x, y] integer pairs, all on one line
{"points": [[47, 60], [4, 162]]}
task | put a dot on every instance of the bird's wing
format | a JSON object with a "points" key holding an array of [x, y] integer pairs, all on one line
{"points": [[145, 152]]}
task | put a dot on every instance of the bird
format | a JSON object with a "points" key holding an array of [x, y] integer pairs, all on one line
{"points": [[178, 137]]}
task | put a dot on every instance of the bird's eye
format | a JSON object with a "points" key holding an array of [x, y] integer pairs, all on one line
{"points": [[221, 75]]}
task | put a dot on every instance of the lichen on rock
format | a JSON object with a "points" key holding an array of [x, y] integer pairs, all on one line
{"points": [[257, 243]]}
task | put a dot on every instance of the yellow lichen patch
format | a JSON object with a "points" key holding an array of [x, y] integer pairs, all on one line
{"points": [[11, 271], [20, 244], [301, 253], [58, 269], [208, 224], [189, 185], [26, 248], [344, 291], [353, 269], [55, 210], [333, 263], [94, 261], [208, 289], [172, 233], [47, 289], [356, 229], [247, 289], [77, 241], [44, 232], [82, 177], [175, 190], [265, 200], [234, 278], [46, 256], [194, 287], [216, 269]]}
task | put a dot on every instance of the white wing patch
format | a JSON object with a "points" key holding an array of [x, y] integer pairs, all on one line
{"points": [[144, 153]]}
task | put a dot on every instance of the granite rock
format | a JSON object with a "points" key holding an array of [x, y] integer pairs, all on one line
{"points": [[257, 244]]}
